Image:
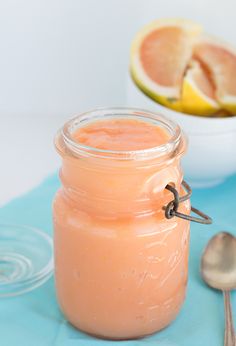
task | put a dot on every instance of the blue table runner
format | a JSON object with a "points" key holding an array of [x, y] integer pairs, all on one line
{"points": [[35, 319]]}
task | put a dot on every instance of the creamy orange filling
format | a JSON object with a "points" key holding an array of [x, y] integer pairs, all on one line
{"points": [[121, 134], [120, 265]]}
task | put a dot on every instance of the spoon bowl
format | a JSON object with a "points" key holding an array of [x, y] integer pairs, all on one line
{"points": [[218, 269], [218, 264]]}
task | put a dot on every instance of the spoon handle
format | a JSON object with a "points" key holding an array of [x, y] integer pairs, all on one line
{"points": [[229, 326]]}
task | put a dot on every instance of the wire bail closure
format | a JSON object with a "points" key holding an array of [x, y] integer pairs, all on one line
{"points": [[171, 209]]}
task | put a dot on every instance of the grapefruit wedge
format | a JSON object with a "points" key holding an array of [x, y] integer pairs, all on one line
{"points": [[220, 60], [198, 92], [160, 54]]}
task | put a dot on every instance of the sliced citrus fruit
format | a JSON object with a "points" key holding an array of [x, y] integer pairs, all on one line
{"points": [[220, 59], [160, 54], [198, 92]]}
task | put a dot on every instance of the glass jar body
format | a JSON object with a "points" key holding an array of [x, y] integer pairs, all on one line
{"points": [[120, 265]]}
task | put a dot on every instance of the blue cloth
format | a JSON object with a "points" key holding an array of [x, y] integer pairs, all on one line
{"points": [[35, 319]]}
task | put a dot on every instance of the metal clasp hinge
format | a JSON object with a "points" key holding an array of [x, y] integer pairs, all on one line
{"points": [[171, 209]]}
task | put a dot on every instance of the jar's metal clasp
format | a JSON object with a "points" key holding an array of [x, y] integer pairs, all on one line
{"points": [[171, 209]]}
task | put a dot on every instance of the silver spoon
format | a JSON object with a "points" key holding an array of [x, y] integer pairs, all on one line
{"points": [[218, 269]]}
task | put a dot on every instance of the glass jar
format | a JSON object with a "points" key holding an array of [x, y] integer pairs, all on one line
{"points": [[120, 265]]}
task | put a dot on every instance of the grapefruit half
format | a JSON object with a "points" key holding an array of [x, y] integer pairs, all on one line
{"points": [[160, 54], [220, 60], [198, 92]]}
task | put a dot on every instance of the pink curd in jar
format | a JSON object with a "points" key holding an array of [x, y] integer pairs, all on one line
{"points": [[120, 265]]}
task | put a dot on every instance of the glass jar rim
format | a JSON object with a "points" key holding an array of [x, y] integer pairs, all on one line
{"points": [[173, 145]]}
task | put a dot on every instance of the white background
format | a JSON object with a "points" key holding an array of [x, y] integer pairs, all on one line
{"points": [[62, 57]]}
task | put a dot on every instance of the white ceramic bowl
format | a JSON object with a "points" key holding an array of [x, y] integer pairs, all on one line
{"points": [[211, 155]]}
